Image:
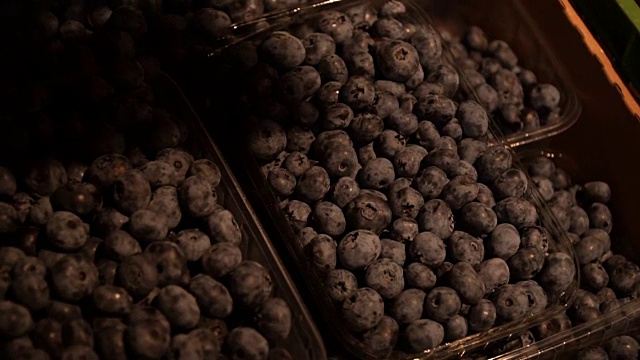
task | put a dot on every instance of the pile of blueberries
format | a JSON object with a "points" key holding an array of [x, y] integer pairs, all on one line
{"points": [[126, 251], [506, 89], [421, 232]]}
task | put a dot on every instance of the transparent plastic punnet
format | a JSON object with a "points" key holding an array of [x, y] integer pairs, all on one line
{"points": [[226, 125], [304, 341], [508, 21], [623, 321]]}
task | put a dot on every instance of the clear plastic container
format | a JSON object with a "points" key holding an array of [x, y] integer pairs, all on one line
{"points": [[224, 126], [508, 21], [623, 321], [304, 341]]}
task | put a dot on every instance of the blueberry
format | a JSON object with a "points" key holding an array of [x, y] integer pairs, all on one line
{"points": [[44, 176], [15, 319], [31, 290], [419, 276], [386, 277], [368, 212], [588, 249], [299, 140], [441, 304], [465, 281], [424, 334], [186, 347], [328, 94], [494, 273], [208, 339], [426, 88], [596, 191], [510, 93], [138, 275], [160, 173], [623, 277], [363, 310], [118, 245], [318, 46], [112, 299], [67, 231], [322, 251], [544, 98], [296, 163], [488, 97], [408, 306], [169, 261], [147, 226], [362, 16], [536, 296], [406, 162], [8, 185], [340, 284], [605, 294], [464, 247], [552, 326], [482, 316], [517, 211], [313, 184], [511, 303], [47, 335], [436, 217], [406, 202], [456, 328], [600, 216], [333, 68], [223, 227], [299, 83], [447, 77], [526, 263], [558, 273], [428, 249], [358, 249], [197, 196], [460, 191], [266, 139], [274, 319], [107, 220], [358, 93], [29, 265], [529, 119], [478, 219], [297, 213], [74, 277], [445, 159], [247, 343], [180, 307], [535, 237], [392, 87], [165, 202], [282, 50], [250, 284], [104, 170], [9, 220], [212, 297], [360, 63], [397, 60], [385, 105], [340, 160], [476, 39], [594, 276], [593, 353], [404, 230], [435, 108], [622, 347], [148, 338], [544, 186], [429, 46], [344, 191], [193, 243], [389, 143], [430, 182], [382, 337], [448, 143], [389, 28], [495, 161], [220, 259], [542, 166], [511, 183]]}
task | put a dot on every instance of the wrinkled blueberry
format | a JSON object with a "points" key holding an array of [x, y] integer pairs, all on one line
{"points": [[340, 284], [223, 227], [322, 251]]}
